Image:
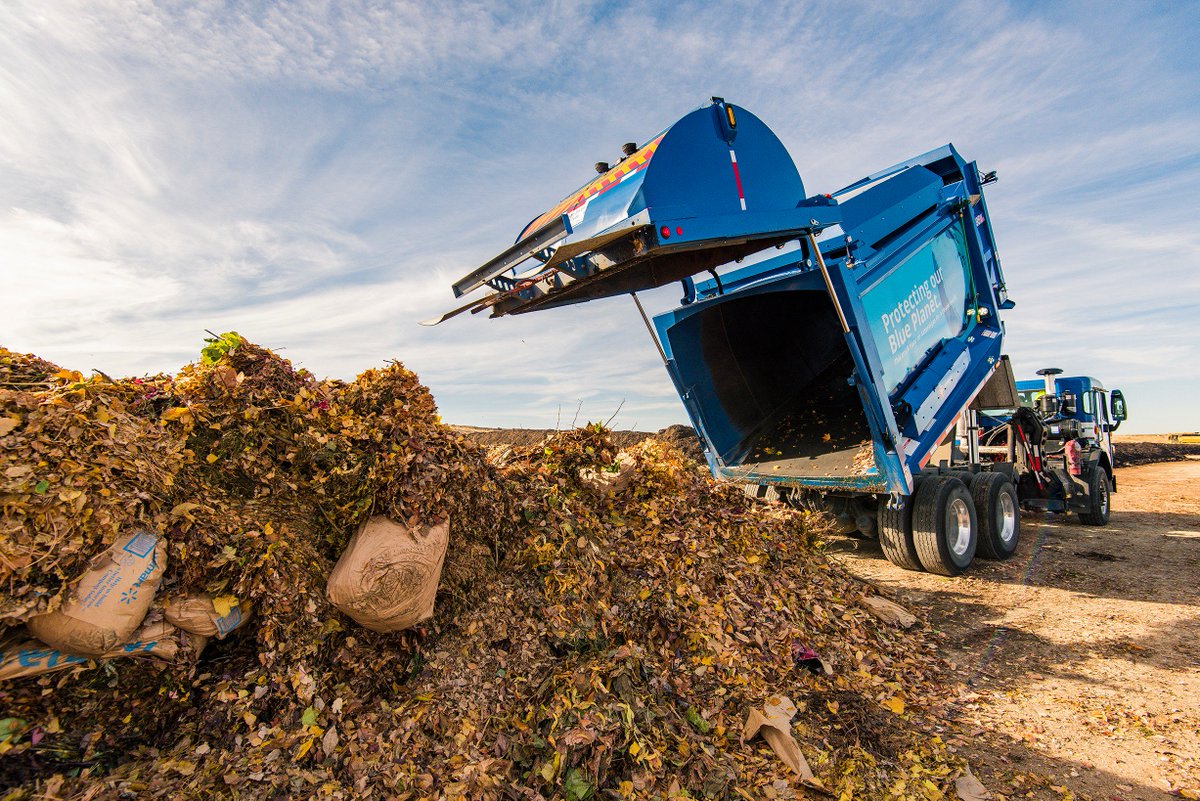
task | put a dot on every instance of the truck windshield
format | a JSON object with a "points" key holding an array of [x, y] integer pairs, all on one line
{"points": [[1029, 397]]}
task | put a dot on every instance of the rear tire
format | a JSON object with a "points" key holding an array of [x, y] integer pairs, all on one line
{"points": [[945, 527], [999, 514], [965, 476], [896, 534], [1099, 499]]}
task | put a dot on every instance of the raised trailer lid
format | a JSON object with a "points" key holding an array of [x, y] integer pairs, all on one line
{"points": [[715, 187]]}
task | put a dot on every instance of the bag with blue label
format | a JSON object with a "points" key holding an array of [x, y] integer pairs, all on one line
{"points": [[21, 656], [207, 616], [110, 601]]}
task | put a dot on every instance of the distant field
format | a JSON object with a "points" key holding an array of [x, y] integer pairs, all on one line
{"points": [[1131, 449], [1135, 449]]}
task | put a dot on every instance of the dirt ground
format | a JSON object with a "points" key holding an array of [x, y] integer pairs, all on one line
{"points": [[1079, 654]]}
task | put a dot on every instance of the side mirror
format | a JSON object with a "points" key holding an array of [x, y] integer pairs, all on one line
{"points": [[1117, 408]]}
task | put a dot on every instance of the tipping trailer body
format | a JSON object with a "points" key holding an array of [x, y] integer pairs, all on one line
{"points": [[846, 378], [836, 365]]}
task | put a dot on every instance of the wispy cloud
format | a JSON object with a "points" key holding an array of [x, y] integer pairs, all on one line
{"points": [[316, 174]]}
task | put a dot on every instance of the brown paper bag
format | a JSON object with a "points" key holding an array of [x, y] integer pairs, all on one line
{"points": [[207, 616], [23, 656], [388, 576], [110, 601], [774, 724], [613, 483]]}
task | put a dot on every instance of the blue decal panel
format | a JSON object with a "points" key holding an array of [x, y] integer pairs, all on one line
{"points": [[918, 305]]}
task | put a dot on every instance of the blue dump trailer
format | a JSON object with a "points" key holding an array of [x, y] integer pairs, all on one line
{"points": [[826, 345]]}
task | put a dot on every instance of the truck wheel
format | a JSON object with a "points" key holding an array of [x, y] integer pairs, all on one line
{"points": [[999, 515], [896, 534], [1099, 496], [945, 529], [965, 476]]}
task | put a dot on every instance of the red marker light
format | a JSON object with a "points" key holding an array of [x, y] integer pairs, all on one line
{"points": [[665, 231], [678, 230]]}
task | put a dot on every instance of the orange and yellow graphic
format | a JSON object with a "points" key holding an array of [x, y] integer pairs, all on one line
{"points": [[603, 183]]}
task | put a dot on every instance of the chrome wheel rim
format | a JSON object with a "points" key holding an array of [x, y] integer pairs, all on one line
{"points": [[959, 522], [1008, 518]]}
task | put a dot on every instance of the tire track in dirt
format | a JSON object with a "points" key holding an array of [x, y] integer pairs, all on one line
{"points": [[1079, 655]]}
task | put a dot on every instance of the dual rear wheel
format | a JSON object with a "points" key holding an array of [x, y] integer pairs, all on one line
{"points": [[947, 521]]}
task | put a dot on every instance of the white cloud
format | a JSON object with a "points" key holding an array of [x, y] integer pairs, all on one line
{"points": [[315, 174]]}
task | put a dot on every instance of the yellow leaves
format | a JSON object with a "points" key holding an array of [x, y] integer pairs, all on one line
{"points": [[753, 559], [550, 768], [212, 457], [635, 748], [832, 706], [304, 748], [895, 704], [181, 414], [185, 510], [180, 766], [224, 604], [75, 498]]}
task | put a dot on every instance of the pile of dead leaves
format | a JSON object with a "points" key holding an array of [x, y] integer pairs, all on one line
{"points": [[604, 623], [78, 464]]}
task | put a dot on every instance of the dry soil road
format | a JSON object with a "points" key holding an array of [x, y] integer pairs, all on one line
{"points": [[1079, 654]]}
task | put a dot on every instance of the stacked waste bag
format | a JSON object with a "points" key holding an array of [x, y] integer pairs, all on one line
{"points": [[241, 581]]}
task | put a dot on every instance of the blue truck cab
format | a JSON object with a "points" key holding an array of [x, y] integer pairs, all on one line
{"points": [[1077, 408]]}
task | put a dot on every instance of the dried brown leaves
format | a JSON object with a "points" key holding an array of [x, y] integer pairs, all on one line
{"points": [[603, 624]]}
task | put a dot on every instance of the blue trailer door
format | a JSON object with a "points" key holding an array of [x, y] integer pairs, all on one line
{"points": [[921, 307]]}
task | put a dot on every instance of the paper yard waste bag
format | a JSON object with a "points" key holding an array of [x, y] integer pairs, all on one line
{"points": [[206, 615], [22, 656], [613, 482], [388, 576], [110, 601]]}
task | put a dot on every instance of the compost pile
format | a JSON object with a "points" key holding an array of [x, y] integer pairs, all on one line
{"points": [[604, 623], [1134, 453], [682, 437]]}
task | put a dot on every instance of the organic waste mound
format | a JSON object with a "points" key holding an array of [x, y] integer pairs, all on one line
{"points": [[682, 437], [1132, 454], [604, 623]]}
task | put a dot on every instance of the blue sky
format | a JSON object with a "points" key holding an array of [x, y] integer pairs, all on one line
{"points": [[315, 174]]}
